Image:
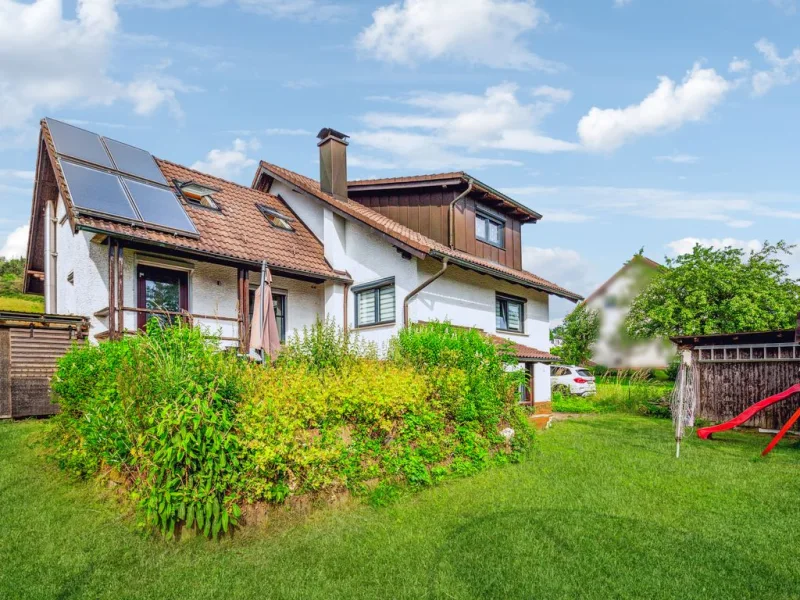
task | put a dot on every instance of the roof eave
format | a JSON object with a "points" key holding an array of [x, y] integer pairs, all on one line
{"points": [[507, 277]]}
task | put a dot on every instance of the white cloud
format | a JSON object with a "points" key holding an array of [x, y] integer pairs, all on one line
{"points": [[48, 61], [731, 209], [300, 10], [565, 216], [739, 65], [667, 108], [564, 266], [448, 130], [553, 93], [621, 3], [229, 163], [787, 6], [782, 71], [486, 32], [16, 244], [17, 174], [680, 159], [285, 131]]}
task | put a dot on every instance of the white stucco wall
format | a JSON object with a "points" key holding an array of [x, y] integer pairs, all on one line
{"points": [[614, 305], [467, 299]]}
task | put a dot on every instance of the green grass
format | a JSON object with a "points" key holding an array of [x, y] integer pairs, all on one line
{"points": [[618, 395], [601, 510], [22, 303]]}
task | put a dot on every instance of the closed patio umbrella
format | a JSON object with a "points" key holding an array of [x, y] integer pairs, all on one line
{"points": [[264, 336]]}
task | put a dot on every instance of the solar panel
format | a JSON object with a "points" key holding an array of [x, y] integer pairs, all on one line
{"points": [[78, 143], [96, 190], [159, 206], [134, 161]]}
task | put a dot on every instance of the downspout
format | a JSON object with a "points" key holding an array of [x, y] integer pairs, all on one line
{"points": [[422, 286], [346, 296], [451, 213]]}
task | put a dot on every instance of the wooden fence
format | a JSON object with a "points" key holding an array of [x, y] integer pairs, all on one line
{"points": [[30, 345], [725, 389]]}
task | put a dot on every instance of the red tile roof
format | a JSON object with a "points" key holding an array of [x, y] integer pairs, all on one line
{"points": [[237, 232], [413, 239], [524, 352]]}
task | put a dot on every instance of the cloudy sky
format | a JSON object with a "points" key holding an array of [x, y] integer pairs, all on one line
{"points": [[627, 123]]}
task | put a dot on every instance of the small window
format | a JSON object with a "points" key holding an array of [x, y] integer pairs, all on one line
{"points": [[375, 303], [198, 195], [71, 277], [275, 218], [510, 313], [490, 230]]}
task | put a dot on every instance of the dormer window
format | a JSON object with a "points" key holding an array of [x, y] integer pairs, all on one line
{"points": [[275, 218], [197, 194]]}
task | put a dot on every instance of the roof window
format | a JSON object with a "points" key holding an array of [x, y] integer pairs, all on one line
{"points": [[275, 218], [197, 194]]}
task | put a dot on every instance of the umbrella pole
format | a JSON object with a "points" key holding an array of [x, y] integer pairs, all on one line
{"points": [[261, 308]]}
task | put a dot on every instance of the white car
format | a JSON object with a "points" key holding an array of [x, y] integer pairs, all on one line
{"points": [[571, 379]]}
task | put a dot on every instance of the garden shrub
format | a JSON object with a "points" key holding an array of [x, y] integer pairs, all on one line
{"points": [[194, 433]]}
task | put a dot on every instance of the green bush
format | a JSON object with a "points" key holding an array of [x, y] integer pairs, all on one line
{"points": [[193, 433], [159, 409]]}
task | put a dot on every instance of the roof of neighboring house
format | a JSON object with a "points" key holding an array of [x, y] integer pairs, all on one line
{"points": [[237, 231], [413, 241], [525, 213], [638, 259]]}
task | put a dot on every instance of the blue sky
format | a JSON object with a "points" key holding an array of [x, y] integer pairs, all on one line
{"points": [[627, 123]]}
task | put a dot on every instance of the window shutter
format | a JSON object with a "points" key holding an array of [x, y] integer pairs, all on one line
{"points": [[366, 307], [387, 304]]}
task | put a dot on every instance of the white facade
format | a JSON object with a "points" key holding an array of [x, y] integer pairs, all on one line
{"points": [[463, 297], [613, 347]]}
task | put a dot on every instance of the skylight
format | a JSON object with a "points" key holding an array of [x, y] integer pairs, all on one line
{"points": [[275, 218]]}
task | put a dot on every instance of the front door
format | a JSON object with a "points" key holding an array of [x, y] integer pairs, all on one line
{"points": [[161, 289]]}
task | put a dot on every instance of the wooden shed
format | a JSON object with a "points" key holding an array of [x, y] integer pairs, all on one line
{"points": [[733, 371], [30, 345]]}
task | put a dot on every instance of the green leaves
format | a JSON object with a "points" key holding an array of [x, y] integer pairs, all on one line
{"points": [[577, 333], [718, 291]]}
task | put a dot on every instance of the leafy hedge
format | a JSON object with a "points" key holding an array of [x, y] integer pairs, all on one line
{"points": [[195, 433]]}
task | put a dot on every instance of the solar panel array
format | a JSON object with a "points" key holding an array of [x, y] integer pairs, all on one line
{"points": [[116, 180]]}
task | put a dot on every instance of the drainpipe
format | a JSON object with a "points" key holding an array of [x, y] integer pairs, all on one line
{"points": [[346, 296], [451, 212], [421, 287]]}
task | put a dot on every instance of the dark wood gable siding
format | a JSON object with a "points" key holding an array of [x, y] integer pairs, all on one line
{"points": [[425, 210], [421, 209]]}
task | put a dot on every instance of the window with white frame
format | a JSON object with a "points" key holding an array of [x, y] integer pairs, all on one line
{"points": [[510, 313], [375, 303], [490, 229]]}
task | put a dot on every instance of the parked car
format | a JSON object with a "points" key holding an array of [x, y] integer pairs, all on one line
{"points": [[572, 380]]}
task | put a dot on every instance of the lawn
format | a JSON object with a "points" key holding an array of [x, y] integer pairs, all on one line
{"points": [[602, 509]]}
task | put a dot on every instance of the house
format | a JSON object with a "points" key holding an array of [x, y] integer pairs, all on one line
{"points": [[117, 236], [612, 300]]}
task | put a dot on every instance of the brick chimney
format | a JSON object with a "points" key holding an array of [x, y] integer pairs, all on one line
{"points": [[333, 162]]}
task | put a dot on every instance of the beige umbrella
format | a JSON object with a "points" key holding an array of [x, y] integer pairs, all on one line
{"points": [[264, 336]]}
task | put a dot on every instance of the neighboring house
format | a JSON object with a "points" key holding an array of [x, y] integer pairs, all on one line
{"points": [[116, 235], [613, 301]]}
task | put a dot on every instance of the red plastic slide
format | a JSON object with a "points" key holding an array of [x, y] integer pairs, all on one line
{"points": [[705, 432]]}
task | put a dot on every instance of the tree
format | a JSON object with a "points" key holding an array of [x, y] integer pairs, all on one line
{"points": [[578, 333], [718, 291]]}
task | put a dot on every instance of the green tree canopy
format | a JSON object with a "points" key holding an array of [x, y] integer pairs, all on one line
{"points": [[718, 291], [577, 333]]}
